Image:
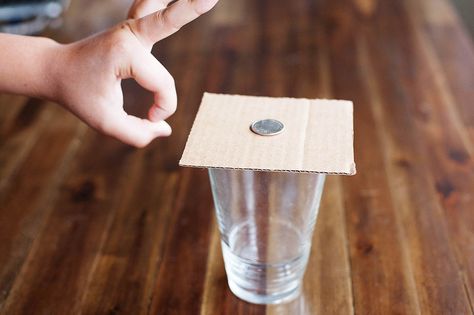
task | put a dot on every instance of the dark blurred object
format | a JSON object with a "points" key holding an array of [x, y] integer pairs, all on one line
{"points": [[29, 16], [465, 9]]}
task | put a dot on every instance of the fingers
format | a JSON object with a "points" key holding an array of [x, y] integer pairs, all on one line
{"points": [[133, 130], [161, 24], [151, 75], [141, 8]]}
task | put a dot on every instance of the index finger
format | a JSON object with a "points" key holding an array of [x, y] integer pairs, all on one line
{"points": [[161, 24]]}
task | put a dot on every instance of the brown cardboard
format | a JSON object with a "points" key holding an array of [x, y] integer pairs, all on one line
{"points": [[318, 135]]}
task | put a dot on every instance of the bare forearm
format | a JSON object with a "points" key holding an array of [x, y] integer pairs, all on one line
{"points": [[27, 65]]}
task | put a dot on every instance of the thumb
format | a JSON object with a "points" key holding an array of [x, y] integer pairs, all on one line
{"points": [[135, 131]]}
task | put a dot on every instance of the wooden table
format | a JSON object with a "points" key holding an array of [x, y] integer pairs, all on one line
{"points": [[91, 226]]}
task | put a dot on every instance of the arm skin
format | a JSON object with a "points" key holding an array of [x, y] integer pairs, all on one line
{"points": [[85, 76], [26, 65]]}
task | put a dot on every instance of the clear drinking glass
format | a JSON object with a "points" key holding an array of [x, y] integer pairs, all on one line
{"points": [[266, 221]]}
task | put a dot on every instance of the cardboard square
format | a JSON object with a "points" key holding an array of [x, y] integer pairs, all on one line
{"points": [[317, 138]]}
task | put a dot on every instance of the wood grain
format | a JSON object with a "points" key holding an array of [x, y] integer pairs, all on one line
{"points": [[91, 226]]}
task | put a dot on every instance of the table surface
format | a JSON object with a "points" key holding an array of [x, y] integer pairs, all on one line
{"points": [[89, 225]]}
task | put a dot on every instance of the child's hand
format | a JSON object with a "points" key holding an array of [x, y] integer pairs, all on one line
{"points": [[141, 8], [90, 72]]}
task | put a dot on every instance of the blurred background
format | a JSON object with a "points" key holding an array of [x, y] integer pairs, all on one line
{"points": [[30, 16], [33, 16]]}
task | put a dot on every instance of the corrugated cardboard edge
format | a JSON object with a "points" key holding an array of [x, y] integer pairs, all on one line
{"points": [[353, 170], [273, 170]]}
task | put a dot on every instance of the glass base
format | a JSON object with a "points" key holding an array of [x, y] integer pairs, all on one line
{"points": [[255, 298], [264, 283]]}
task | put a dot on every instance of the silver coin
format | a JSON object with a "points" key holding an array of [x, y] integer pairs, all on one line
{"points": [[267, 127]]}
